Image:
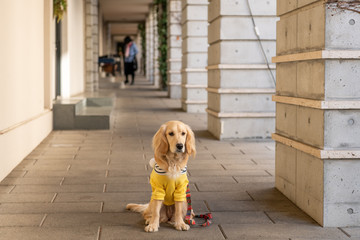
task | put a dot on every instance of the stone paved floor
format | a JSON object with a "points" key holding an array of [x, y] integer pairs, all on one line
{"points": [[75, 184]]}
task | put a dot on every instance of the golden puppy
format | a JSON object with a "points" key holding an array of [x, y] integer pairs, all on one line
{"points": [[173, 143]]}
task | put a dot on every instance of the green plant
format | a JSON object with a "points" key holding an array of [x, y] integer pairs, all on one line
{"points": [[59, 7], [141, 28], [162, 37]]}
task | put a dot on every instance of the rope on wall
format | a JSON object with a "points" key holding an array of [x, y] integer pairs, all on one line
{"points": [[257, 33]]}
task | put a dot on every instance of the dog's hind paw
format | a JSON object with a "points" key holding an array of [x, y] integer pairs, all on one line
{"points": [[152, 228], [182, 227]]}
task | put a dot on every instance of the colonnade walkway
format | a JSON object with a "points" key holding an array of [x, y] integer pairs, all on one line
{"points": [[75, 184]]}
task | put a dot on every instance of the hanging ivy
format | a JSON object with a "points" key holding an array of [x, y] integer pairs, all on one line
{"points": [[141, 28], [162, 35], [59, 7]]}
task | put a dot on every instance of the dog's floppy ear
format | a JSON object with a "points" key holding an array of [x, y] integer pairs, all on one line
{"points": [[160, 143], [190, 142]]}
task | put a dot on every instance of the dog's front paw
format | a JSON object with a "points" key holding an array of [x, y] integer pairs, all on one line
{"points": [[152, 228], [147, 221], [182, 226]]}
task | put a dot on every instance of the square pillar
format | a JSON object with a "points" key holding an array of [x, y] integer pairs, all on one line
{"points": [[241, 78], [318, 110], [148, 56], [156, 71], [92, 46], [194, 55], [150, 47], [174, 48]]}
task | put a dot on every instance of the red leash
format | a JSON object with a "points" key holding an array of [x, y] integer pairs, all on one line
{"points": [[188, 220]]}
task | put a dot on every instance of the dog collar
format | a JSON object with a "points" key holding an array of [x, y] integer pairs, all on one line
{"points": [[161, 171]]}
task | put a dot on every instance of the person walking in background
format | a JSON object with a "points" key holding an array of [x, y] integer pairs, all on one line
{"points": [[130, 64]]}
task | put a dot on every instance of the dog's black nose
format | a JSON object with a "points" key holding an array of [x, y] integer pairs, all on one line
{"points": [[179, 146]]}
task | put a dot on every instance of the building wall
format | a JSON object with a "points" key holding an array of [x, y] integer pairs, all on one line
{"points": [[73, 45], [25, 119]]}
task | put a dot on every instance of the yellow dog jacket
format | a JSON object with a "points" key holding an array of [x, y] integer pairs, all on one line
{"points": [[168, 189]]}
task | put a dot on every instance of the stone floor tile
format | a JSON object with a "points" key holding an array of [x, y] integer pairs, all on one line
{"points": [[91, 188], [244, 179], [17, 173], [253, 217], [128, 187], [60, 150], [134, 166], [271, 172], [90, 219], [116, 156], [224, 196], [129, 147], [219, 149], [208, 166], [266, 194], [131, 172], [6, 189], [223, 172], [280, 231], [83, 162], [71, 173], [203, 156], [353, 232], [263, 161], [63, 166], [297, 217], [205, 179], [95, 152], [136, 231], [92, 157], [229, 187], [27, 208], [103, 180], [251, 166], [25, 164], [37, 233], [262, 155], [26, 197], [20, 220], [31, 181], [245, 206], [55, 158], [240, 161], [57, 152], [103, 197]]}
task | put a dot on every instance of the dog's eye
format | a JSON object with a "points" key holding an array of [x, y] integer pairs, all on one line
{"points": [[171, 134], [183, 133]]}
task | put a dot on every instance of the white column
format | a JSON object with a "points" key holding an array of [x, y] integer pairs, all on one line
{"points": [[318, 110], [156, 71], [151, 46], [92, 46], [148, 57], [174, 48], [194, 55], [241, 80], [139, 58]]}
